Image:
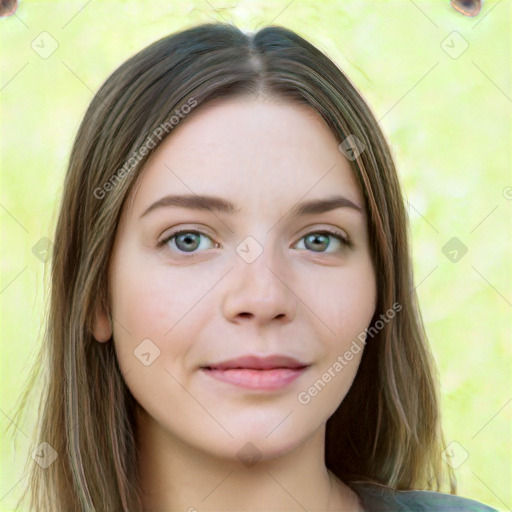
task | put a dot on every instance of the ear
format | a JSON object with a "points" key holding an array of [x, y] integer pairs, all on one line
{"points": [[102, 327]]}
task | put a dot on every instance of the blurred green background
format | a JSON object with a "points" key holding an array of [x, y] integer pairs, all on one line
{"points": [[440, 85]]}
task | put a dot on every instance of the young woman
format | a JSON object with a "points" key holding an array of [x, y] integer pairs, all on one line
{"points": [[233, 322]]}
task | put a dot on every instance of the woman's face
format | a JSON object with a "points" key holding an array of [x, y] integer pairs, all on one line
{"points": [[258, 280]]}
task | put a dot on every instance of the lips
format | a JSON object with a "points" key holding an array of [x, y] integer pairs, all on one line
{"points": [[268, 373], [258, 380], [253, 362]]}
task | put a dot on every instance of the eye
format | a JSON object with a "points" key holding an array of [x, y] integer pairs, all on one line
{"points": [[188, 241], [320, 240]]}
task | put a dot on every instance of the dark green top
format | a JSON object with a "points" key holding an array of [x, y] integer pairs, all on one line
{"points": [[376, 498]]}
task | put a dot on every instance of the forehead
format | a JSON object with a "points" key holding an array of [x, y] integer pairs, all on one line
{"points": [[249, 149]]}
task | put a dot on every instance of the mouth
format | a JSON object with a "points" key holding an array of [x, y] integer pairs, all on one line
{"points": [[270, 379]]}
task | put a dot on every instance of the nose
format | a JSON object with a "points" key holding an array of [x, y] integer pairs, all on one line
{"points": [[259, 291]]}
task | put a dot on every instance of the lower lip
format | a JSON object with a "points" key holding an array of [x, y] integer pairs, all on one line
{"points": [[266, 380]]}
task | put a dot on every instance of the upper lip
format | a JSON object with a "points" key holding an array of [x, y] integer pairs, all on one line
{"points": [[258, 363]]}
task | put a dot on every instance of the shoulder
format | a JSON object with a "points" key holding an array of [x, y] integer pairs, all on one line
{"points": [[377, 498]]}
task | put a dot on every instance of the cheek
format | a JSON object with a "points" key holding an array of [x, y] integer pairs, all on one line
{"points": [[149, 298], [151, 303], [343, 299], [344, 303], [153, 307]]}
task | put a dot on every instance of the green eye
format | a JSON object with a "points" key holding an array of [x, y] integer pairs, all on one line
{"points": [[188, 241], [321, 240]]}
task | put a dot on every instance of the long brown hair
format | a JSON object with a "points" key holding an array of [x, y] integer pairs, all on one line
{"points": [[387, 430]]}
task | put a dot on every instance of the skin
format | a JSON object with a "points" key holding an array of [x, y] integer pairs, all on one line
{"points": [[303, 300]]}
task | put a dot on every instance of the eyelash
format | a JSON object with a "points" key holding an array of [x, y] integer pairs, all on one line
{"points": [[345, 241]]}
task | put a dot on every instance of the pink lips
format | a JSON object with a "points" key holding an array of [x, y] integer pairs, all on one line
{"points": [[269, 380], [268, 373]]}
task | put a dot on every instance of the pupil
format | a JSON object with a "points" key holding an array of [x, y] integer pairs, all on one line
{"points": [[188, 237], [315, 239]]}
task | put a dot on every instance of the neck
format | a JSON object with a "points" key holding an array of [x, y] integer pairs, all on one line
{"points": [[175, 476]]}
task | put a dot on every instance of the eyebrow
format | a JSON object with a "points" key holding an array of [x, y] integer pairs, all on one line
{"points": [[196, 202]]}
